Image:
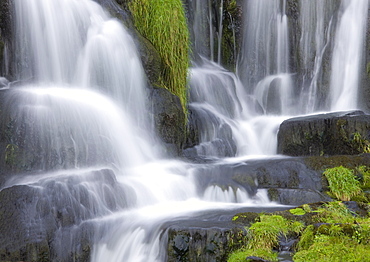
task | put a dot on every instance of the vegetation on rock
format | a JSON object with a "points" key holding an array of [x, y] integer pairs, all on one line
{"points": [[264, 237], [342, 183], [163, 23], [340, 235], [326, 232]]}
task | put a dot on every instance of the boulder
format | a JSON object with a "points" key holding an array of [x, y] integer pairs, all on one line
{"points": [[204, 238], [339, 133], [45, 219], [169, 119]]}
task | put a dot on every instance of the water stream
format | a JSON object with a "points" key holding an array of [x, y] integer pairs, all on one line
{"points": [[84, 105]]}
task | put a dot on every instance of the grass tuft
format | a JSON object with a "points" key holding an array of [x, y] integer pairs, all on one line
{"points": [[163, 23], [342, 183]]}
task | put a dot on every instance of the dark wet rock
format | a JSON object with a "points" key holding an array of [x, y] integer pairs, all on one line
{"points": [[49, 215], [169, 119], [287, 196], [231, 30], [217, 143], [256, 259], [6, 35], [203, 244], [340, 133], [290, 181]]}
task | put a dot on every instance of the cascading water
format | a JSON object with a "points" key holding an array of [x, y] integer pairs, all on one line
{"points": [[347, 55], [84, 112], [268, 88]]}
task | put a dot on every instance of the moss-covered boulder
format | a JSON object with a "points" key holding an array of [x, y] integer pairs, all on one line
{"points": [[341, 133]]}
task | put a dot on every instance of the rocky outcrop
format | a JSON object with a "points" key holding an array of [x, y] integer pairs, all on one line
{"points": [[341, 133], [204, 238], [288, 181], [46, 220], [6, 34], [169, 119], [207, 24]]}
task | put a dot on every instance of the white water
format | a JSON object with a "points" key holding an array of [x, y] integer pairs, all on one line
{"points": [[97, 53], [84, 107], [347, 56]]}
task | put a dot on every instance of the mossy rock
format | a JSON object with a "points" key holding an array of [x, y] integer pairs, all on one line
{"points": [[340, 133]]}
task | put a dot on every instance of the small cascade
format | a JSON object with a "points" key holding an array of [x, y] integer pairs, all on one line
{"points": [[264, 55], [347, 55], [95, 52], [216, 193], [317, 26], [207, 20], [72, 128]]}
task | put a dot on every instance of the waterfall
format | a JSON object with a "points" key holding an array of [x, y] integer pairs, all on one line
{"points": [[95, 52], [80, 103], [86, 139], [347, 55]]}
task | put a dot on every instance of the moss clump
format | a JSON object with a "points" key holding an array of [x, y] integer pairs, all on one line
{"points": [[264, 237], [333, 248], [163, 23], [326, 232], [360, 144], [297, 211], [338, 235], [342, 183]]}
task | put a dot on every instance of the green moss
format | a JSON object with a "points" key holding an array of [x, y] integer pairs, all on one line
{"points": [[240, 255], [333, 248], [11, 152], [245, 218], [342, 183], [163, 23], [364, 175], [264, 237], [307, 238], [297, 211], [360, 144], [341, 237], [368, 69]]}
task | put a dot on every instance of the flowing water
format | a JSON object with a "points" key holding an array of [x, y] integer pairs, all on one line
{"points": [[85, 110]]}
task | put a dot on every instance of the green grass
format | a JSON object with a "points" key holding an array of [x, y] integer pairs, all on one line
{"points": [[163, 23], [342, 183]]}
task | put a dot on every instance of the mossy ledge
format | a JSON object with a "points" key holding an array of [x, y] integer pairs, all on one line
{"points": [[163, 23], [317, 232]]}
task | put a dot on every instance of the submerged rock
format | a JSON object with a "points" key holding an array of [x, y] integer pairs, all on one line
{"points": [[340, 133]]}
